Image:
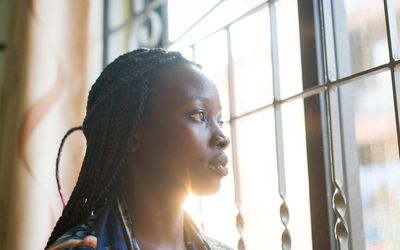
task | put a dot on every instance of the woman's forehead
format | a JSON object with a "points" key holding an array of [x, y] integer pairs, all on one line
{"points": [[184, 82]]}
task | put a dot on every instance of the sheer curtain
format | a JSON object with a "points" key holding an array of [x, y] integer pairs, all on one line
{"points": [[52, 58]]}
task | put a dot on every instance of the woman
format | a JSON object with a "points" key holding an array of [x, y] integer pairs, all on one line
{"points": [[153, 131]]}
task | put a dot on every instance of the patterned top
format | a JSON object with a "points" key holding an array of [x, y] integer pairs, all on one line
{"points": [[113, 230]]}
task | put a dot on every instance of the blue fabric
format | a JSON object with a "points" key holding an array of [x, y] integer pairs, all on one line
{"points": [[113, 231]]}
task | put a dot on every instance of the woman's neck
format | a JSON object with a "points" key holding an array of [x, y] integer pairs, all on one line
{"points": [[157, 215]]}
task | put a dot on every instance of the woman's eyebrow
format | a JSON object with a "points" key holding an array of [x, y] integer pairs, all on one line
{"points": [[202, 98], [207, 100]]}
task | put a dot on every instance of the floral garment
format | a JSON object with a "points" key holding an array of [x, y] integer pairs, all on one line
{"points": [[113, 231]]}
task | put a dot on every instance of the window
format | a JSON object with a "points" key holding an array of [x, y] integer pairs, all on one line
{"points": [[240, 53], [367, 46], [310, 97]]}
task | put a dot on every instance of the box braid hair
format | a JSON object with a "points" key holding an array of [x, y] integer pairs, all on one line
{"points": [[115, 106]]}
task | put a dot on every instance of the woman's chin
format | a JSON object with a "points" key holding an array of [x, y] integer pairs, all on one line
{"points": [[210, 189]]}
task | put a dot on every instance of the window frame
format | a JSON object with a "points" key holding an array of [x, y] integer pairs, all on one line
{"points": [[327, 166]]}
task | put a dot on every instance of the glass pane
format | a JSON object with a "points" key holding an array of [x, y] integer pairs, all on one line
{"points": [[360, 31], [225, 13], [296, 168], [290, 76], [260, 199], [251, 52], [397, 13], [178, 18], [118, 13], [212, 54], [372, 161], [187, 53], [117, 44]]}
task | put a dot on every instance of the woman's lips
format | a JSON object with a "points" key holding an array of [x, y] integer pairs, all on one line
{"points": [[218, 165], [219, 169]]}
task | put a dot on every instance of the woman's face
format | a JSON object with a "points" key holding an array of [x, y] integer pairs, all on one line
{"points": [[180, 143]]}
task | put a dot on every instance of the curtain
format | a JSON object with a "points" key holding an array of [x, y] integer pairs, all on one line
{"points": [[52, 58]]}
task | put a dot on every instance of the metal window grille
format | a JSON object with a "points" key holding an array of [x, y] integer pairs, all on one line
{"points": [[324, 46]]}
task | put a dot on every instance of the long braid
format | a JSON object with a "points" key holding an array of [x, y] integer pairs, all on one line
{"points": [[116, 104], [58, 162]]}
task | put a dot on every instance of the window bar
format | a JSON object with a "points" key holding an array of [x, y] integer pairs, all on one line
{"points": [[321, 88], [284, 210], [311, 40], [339, 202], [193, 53], [339, 198], [391, 30], [239, 218], [328, 42], [105, 34]]}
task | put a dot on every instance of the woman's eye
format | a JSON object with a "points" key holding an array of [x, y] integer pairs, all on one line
{"points": [[220, 123], [199, 116]]}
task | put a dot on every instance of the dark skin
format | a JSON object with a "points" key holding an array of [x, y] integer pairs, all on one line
{"points": [[178, 150]]}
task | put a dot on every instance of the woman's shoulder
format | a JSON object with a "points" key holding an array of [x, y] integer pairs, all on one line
{"points": [[216, 245]]}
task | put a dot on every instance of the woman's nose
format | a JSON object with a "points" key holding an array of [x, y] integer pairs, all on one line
{"points": [[222, 141]]}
